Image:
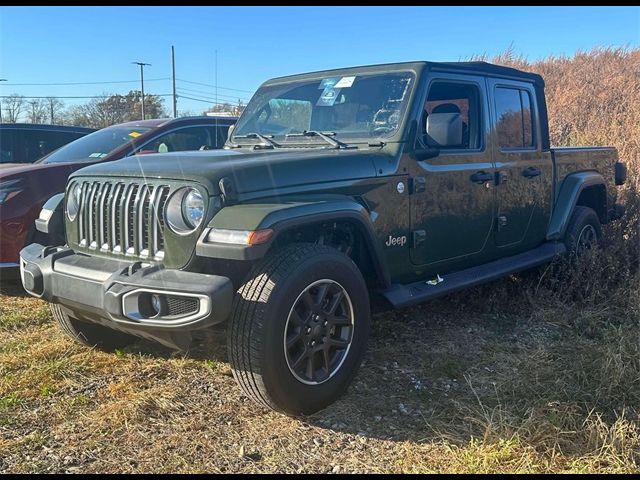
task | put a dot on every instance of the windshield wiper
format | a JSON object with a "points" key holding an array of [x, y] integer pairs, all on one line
{"points": [[265, 141], [326, 136]]}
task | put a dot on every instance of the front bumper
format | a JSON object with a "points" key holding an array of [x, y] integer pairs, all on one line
{"points": [[118, 294]]}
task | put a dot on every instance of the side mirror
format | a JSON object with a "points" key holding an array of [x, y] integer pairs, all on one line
{"points": [[444, 130], [230, 132]]}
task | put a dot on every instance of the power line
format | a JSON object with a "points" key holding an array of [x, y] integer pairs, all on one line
{"points": [[202, 94], [208, 92], [80, 97], [203, 100], [80, 83], [213, 86]]}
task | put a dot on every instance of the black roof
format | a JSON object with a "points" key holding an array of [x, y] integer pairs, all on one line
{"points": [[44, 126], [488, 68], [479, 68]]}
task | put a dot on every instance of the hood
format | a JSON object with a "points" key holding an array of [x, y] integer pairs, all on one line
{"points": [[251, 171]]}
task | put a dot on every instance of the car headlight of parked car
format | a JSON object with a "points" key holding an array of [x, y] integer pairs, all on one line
{"points": [[185, 210], [10, 189]]}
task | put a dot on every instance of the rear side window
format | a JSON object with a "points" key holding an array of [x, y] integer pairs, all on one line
{"points": [[514, 118]]}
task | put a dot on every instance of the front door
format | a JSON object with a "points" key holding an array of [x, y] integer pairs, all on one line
{"points": [[453, 194], [524, 173]]}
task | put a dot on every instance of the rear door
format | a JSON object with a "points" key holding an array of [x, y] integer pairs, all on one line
{"points": [[524, 172], [452, 198]]}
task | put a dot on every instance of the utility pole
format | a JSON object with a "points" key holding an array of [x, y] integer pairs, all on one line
{"points": [[33, 104], [1, 80], [173, 79], [142, 65], [216, 77]]}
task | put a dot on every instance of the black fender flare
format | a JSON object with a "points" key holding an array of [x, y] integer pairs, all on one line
{"points": [[566, 200]]}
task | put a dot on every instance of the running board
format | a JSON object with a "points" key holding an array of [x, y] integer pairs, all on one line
{"points": [[413, 293]]}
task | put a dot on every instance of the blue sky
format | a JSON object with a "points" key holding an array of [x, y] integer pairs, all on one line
{"points": [[98, 44]]}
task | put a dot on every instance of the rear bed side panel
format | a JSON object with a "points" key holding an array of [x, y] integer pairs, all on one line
{"points": [[570, 160], [576, 169]]}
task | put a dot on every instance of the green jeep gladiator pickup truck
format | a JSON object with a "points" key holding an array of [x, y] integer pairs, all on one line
{"points": [[408, 181]]}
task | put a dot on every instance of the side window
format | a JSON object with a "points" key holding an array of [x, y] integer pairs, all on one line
{"points": [[221, 134], [514, 118], [457, 99], [6, 146], [190, 138], [41, 142]]}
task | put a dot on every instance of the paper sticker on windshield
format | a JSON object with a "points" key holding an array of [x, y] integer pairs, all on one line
{"points": [[327, 83], [328, 97], [134, 134], [95, 155], [345, 82]]}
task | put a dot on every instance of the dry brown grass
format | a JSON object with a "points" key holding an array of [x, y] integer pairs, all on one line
{"points": [[535, 373]]}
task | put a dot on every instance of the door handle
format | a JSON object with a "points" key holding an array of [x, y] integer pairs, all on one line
{"points": [[482, 177], [531, 172]]}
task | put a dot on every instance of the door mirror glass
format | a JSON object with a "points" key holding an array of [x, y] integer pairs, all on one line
{"points": [[444, 130]]}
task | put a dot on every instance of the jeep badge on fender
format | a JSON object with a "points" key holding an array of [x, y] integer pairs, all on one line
{"points": [[159, 249], [396, 241]]}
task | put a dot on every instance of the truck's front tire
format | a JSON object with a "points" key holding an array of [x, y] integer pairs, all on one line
{"points": [[90, 334], [299, 328]]}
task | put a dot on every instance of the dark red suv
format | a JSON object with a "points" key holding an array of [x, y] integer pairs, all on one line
{"points": [[25, 188]]}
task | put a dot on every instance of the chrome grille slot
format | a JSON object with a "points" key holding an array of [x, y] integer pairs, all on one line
{"points": [[103, 217], [92, 208], [123, 219], [158, 237], [130, 210]]}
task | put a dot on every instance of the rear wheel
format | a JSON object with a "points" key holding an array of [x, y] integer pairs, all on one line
{"points": [[584, 232], [299, 328], [90, 334]]}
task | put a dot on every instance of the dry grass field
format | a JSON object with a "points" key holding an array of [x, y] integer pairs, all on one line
{"points": [[534, 373]]}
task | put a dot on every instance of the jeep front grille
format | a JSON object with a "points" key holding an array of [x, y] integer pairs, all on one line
{"points": [[122, 218]]}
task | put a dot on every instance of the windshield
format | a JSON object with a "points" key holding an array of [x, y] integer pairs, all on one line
{"points": [[353, 106], [95, 145]]}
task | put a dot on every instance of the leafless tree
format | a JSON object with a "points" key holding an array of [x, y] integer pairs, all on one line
{"points": [[13, 105], [37, 111], [55, 107]]}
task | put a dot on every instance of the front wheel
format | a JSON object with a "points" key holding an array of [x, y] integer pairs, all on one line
{"points": [[299, 328]]}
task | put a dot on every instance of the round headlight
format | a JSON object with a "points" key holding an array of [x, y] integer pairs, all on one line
{"points": [[184, 210], [193, 208], [73, 201]]}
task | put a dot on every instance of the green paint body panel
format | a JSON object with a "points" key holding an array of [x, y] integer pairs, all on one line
{"points": [[270, 212], [457, 218]]}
